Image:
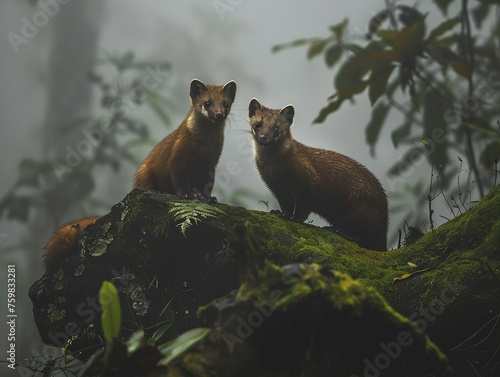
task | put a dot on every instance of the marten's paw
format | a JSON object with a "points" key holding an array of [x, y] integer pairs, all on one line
{"points": [[281, 215]]}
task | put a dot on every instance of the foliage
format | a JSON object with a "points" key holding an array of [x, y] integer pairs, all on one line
{"points": [[179, 345], [190, 212], [447, 75], [111, 316], [58, 183]]}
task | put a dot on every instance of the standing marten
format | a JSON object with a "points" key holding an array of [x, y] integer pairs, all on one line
{"points": [[305, 179], [184, 162], [63, 243]]}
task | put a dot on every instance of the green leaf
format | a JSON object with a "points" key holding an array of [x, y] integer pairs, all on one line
{"points": [[410, 38], [441, 55], [341, 96], [375, 124], [490, 154], [443, 5], [353, 70], [333, 54], [434, 108], [443, 27], [378, 82], [316, 48], [479, 13], [400, 133], [182, 343], [136, 341], [388, 35], [111, 316], [328, 109], [339, 29], [296, 43], [162, 330], [482, 127], [353, 48], [409, 15]]}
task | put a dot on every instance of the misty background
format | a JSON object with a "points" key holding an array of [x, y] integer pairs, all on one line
{"points": [[44, 83]]}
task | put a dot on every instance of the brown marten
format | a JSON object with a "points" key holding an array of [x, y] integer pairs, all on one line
{"points": [[63, 243], [184, 162], [305, 179]]}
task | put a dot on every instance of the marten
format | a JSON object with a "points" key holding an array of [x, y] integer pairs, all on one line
{"points": [[63, 243], [305, 179], [184, 162]]}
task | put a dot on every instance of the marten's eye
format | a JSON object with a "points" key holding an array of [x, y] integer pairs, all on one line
{"points": [[207, 104], [257, 125], [226, 105], [276, 129], [75, 225]]}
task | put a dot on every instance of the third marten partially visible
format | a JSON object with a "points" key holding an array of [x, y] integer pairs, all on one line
{"points": [[305, 179], [184, 162], [63, 243]]}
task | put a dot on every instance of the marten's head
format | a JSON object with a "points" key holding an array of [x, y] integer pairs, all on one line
{"points": [[212, 101], [270, 126]]}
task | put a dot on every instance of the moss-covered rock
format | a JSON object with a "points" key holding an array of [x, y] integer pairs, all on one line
{"points": [[164, 274], [307, 320]]}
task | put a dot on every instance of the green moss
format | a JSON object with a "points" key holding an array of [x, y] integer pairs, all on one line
{"points": [[311, 309]]}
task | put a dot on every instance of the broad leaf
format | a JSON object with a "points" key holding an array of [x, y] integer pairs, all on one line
{"points": [[328, 109], [441, 55], [316, 48], [490, 154], [409, 39], [443, 5], [375, 124], [443, 27], [182, 343], [339, 29], [296, 43], [111, 316], [435, 127], [333, 54], [401, 132], [378, 82], [409, 15]]}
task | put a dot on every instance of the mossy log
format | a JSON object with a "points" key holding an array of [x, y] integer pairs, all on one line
{"points": [[167, 266]]}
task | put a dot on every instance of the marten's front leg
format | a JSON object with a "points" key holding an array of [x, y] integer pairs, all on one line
{"points": [[302, 208]]}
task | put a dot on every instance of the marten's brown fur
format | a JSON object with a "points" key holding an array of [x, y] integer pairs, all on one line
{"points": [[63, 243], [184, 162], [305, 179]]}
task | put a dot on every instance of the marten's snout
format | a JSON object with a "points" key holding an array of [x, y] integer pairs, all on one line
{"points": [[265, 136]]}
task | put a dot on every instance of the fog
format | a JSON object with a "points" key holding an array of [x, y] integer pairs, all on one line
{"points": [[199, 40]]}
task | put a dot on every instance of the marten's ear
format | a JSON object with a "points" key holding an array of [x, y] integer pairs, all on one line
{"points": [[230, 90], [287, 114], [253, 106], [196, 88]]}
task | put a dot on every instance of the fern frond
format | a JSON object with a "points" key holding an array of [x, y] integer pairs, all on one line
{"points": [[191, 212]]}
